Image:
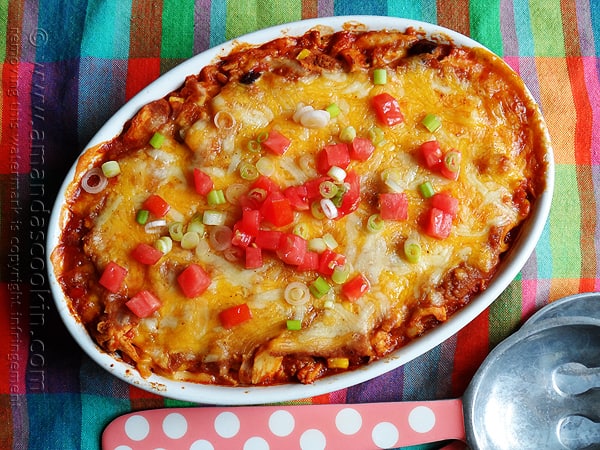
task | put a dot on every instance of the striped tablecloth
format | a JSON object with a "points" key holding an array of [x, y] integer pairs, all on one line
{"points": [[67, 66]]}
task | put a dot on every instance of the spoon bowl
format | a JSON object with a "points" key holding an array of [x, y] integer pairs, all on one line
{"points": [[513, 400]]}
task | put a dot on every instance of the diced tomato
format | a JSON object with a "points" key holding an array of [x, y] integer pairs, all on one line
{"points": [[146, 254], [387, 109], [143, 304], [298, 197], [310, 262], [268, 239], [333, 155], [156, 205], [438, 223], [351, 198], [292, 249], [193, 281], [450, 166], [393, 206], [445, 202], [432, 154], [263, 182], [112, 277], [235, 315], [276, 143], [313, 187], [202, 182], [329, 260], [251, 221], [356, 287], [361, 149], [254, 258], [239, 237], [277, 210]]}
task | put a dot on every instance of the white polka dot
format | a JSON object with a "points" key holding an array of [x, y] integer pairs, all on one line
{"points": [[201, 445], [123, 447], [137, 428], [227, 424], [256, 443], [348, 421], [175, 426], [281, 423], [385, 435], [421, 419], [312, 440]]}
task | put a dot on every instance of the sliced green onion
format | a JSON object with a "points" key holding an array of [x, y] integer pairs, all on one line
{"points": [[176, 231], [224, 120], [319, 287], [329, 209], [431, 122], [296, 293], [377, 136], [412, 250], [328, 189], [211, 217], [157, 140], [142, 216], [220, 237], [294, 324], [265, 166], [254, 146], [258, 194], [333, 110], [317, 245], [375, 223], [452, 160], [426, 189], [190, 240], [317, 211], [392, 178], [301, 229], [156, 226], [337, 173], [216, 197], [94, 181], [340, 274], [315, 118], [304, 53], [164, 244], [248, 171], [234, 192], [348, 134], [262, 137], [111, 169], [196, 225], [339, 197], [330, 241], [379, 76]]}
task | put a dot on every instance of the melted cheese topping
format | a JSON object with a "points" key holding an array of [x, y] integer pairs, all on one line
{"points": [[484, 114]]}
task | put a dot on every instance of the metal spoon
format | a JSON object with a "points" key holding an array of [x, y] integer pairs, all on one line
{"points": [[512, 402]]}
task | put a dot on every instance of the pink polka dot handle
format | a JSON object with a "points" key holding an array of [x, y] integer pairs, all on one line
{"points": [[314, 427]]}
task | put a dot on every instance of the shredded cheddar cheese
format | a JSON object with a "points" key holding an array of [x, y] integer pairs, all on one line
{"points": [[486, 116]]}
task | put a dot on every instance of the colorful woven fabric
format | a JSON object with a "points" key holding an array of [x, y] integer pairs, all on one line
{"points": [[67, 66]]}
